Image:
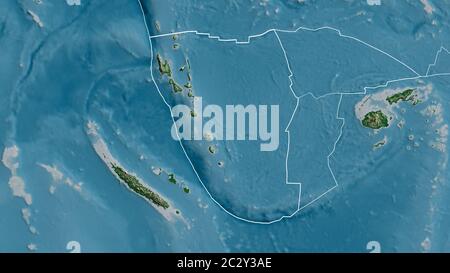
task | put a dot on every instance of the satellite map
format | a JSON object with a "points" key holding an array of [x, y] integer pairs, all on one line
{"points": [[225, 126]]}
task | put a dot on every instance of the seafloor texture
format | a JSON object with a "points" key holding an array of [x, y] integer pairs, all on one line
{"points": [[89, 163]]}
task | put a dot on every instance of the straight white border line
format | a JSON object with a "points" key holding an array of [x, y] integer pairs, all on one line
{"points": [[283, 31], [341, 94], [291, 74], [436, 59]]}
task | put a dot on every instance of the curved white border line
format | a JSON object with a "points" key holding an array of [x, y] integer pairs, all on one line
{"points": [[341, 94]]}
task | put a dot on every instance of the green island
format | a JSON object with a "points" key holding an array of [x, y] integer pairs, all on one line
{"points": [[188, 64], [172, 179], [212, 149], [416, 101], [188, 85], [186, 189], [164, 67], [375, 120], [175, 87], [400, 96], [139, 188]]}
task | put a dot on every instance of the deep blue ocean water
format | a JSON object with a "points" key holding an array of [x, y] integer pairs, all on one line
{"points": [[92, 63]]}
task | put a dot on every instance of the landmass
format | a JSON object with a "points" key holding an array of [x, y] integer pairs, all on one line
{"points": [[164, 67], [212, 149], [375, 120], [380, 143], [36, 18], [404, 96], [175, 87], [133, 183], [136, 186], [379, 109], [172, 179]]}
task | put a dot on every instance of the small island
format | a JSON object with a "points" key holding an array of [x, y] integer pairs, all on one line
{"points": [[380, 143], [375, 120], [404, 95], [136, 186], [164, 67], [188, 85], [175, 86], [212, 149], [171, 178]]}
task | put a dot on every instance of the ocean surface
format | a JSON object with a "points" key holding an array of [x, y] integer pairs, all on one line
{"points": [[326, 188]]}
